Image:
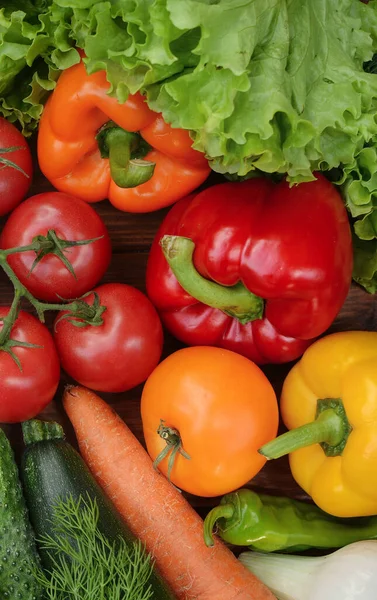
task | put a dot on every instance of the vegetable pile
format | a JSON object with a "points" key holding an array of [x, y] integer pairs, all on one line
{"points": [[136, 103], [283, 87]]}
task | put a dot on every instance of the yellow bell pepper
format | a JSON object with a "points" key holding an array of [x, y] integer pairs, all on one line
{"points": [[329, 402]]}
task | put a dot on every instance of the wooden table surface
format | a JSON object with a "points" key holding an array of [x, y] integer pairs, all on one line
{"points": [[131, 237]]}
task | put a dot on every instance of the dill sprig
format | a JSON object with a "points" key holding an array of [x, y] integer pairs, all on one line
{"points": [[85, 564]]}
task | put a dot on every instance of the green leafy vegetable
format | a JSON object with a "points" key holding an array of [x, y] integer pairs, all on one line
{"points": [[86, 565], [32, 53]]}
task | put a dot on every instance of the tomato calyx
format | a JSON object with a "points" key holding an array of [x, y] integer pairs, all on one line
{"points": [[10, 344], [81, 314], [50, 243], [173, 446], [5, 162]]}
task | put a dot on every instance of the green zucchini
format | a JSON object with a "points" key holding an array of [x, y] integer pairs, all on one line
{"points": [[52, 471], [18, 554]]}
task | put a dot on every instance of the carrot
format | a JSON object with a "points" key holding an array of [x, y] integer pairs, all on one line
{"points": [[154, 510]]}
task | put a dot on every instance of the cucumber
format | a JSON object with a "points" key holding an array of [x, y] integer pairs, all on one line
{"points": [[53, 470], [18, 553]]}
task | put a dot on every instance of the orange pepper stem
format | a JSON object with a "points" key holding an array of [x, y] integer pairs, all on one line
{"points": [[125, 150], [330, 429], [236, 300], [173, 446]]}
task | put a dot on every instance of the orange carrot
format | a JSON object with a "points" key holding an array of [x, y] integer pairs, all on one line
{"points": [[154, 510]]}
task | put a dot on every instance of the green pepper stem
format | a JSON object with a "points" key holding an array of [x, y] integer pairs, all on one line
{"points": [[125, 171], [236, 300], [331, 429], [223, 511]]}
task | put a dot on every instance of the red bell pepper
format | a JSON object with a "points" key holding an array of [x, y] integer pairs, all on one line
{"points": [[256, 267]]}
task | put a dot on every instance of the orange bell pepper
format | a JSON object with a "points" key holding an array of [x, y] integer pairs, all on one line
{"points": [[93, 147]]}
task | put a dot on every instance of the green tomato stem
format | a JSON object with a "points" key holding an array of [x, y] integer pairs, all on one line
{"points": [[78, 312], [11, 318], [35, 247]]}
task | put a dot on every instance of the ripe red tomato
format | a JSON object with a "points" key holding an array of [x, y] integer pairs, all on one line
{"points": [[14, 184], [71, 219], [23, 394], [121, 353]]}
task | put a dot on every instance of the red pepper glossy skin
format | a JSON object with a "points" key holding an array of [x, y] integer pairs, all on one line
{"points": [[290, 246]]}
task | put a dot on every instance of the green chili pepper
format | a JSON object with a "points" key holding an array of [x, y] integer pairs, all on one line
{"points": [[271, 524]]}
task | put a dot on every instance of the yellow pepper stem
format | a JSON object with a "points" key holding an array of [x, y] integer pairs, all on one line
{"points": [[330, 429]]}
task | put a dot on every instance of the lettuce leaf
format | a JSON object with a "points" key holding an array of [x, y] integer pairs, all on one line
{"points": [[31, 58]]}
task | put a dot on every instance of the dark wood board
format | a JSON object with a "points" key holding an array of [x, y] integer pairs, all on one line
{"points": [[132, 235]]}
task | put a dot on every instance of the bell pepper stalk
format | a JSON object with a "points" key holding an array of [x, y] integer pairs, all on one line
{"points": [[330, 429], [279, 524], [78, 312], [236, 301], [94, 147], [242, 266], [125, 151], [349, 572], [329, 405]]}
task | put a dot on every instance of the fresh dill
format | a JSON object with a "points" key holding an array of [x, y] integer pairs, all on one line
{"points": [[85, 564]]}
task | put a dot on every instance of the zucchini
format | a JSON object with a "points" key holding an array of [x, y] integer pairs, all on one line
{"points": [[18, 553], [52, 471]]}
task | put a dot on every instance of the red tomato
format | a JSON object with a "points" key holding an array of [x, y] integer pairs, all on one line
{"points": [[14, 184], [121, 353], [23, 394], [71, 219]]}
